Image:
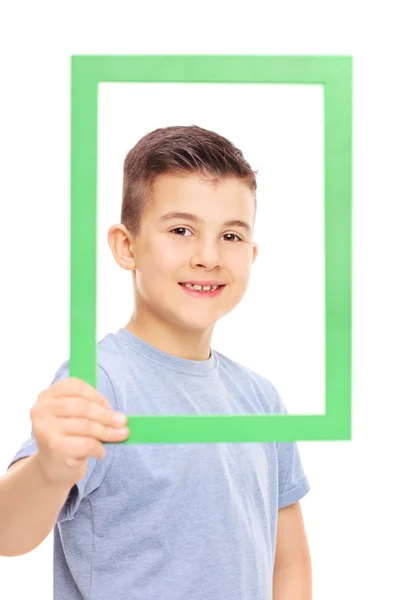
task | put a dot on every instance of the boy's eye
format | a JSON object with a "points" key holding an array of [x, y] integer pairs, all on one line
{"points": [[232, 235], [180, 231]]}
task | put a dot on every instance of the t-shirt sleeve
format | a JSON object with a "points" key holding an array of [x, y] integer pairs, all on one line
{"points": [[293, 482], [96, 469]]}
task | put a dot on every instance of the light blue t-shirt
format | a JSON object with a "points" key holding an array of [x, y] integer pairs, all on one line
{"points": [[175, 521]]}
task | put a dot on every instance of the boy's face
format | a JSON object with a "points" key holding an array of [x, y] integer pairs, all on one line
{"points": [[213, 246]]}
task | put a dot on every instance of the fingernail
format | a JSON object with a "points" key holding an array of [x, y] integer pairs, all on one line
{"points": [[119, 418], [123, 432]]}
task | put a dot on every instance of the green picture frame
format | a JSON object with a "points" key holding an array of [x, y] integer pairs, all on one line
{"points": [[334, 73]]}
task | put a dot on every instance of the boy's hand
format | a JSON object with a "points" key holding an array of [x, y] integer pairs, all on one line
{"points": [[70, 421]]}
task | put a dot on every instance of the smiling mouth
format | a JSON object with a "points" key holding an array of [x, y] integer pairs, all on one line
{"points": [[202, 291], [201, 288]]}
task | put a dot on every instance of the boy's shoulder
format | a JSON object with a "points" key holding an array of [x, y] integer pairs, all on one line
{"points": [[238, 367], [108, 353], [259, 384]]}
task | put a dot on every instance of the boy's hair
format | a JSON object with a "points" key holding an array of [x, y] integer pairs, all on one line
{"points": [[177, 150]]}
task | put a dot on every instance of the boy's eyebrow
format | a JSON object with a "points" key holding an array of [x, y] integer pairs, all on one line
{"points": [[195, 219]]}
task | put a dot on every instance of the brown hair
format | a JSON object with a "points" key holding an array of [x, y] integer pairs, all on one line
{"points": [[179, 149]]}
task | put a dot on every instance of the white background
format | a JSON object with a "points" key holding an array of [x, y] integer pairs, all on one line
{"points": [[352, 522]]}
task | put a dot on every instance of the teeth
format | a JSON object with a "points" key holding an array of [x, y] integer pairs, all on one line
{"points": [[204, 288]]}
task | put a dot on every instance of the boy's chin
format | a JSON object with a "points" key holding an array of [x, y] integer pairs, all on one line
{"points": [[197, 323], [197, 326]]}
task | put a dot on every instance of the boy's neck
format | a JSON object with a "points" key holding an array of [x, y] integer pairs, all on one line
{"points": [[182, 344]]}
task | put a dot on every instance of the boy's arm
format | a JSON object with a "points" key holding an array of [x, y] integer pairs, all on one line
{"points": [[292, 568], [29, 507]]}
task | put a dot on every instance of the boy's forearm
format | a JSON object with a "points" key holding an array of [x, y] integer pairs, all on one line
{"points": [[29, 507], [293, 582]]}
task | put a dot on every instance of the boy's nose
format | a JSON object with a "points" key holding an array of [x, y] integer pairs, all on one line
{"points": [[206, 255]]}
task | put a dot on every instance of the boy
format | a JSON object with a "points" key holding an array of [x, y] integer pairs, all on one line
{"points": [[170, 522]]}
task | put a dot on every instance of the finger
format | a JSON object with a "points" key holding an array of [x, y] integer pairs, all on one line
{"points": [[74, 407], [73, 386], [76, 447], [88, 428]]}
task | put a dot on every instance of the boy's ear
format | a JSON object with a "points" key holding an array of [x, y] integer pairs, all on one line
{"points": [[121, 244], [255, 251]]}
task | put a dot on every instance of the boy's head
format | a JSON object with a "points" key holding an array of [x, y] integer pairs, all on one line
{"points": [[205, 180]]}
